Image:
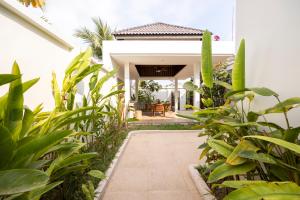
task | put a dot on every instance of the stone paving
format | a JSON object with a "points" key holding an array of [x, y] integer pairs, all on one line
{"points": [[154, 166], [169, 118]]}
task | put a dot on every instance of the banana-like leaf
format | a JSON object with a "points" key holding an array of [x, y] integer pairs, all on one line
{"points": [[271, 125], [38, 146], [238, 71], [77, 61], [292, 134], [67, 170], [73, 159], [206, 60], [267, 190], [3, 99], [189, 85], [221, 147], [87, 192], [264, 91], [7, 146], [21, 180], [112, 94], [100, 83], [56, 92], [97, 174], [14, 105], [224, 84], [238, 184], [204, 152], [261, 157], [288, 145], [26, 122], [283, 106], [234, 158], [225, 170], [7, 78], [37, 193]]}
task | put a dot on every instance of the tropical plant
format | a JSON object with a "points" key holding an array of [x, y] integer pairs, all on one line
{"points": [[99, 123], [145, 94], [244, 150], [37, 149], [95, 38]]}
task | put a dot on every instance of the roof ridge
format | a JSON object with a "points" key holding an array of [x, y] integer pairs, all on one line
{"points": [[185, 27], [135, 27], [153, 24]]}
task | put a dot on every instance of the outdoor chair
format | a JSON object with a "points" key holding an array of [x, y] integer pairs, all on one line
{"points": [[158, 108]]}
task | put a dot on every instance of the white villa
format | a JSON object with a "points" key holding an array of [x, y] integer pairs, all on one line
{"points": [[170, 52], [160, 51]]}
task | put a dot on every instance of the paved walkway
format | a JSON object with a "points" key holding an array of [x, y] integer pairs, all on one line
{"points": [[154, 166], [169, 118]]}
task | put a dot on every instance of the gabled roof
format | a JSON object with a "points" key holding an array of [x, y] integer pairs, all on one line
{"points": [[158, 28]]}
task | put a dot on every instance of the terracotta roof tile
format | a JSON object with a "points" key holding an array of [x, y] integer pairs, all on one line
{"points": [[159, 28]]}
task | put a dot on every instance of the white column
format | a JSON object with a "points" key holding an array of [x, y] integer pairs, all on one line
{"points": [[176, 95], [197, 83], [126, 86], [136, 89], [182, 99]]}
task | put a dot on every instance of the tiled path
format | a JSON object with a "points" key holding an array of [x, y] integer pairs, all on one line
{"points": [[154, 166], [169, 118]]}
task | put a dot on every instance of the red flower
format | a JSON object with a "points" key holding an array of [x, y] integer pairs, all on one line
{"points": [[216, 38]]}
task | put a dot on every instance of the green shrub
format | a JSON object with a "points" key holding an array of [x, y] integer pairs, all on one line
{"points": [[259, 159]]}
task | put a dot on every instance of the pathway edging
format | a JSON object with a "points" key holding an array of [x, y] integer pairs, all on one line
{"points": [[200, 184]]}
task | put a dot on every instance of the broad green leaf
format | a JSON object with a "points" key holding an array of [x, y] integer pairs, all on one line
{"points": [[7, 78], [7, 146], [244, 145], [14, 105], [21, 180], [189, 85], [67, 170], [206, 60], [97, 174], [224, 84], [3, 99], [81, 59], [86, 191], [252, 116], [40, 145], [73, 159], [100, 83], [112, 94], [221, 147], [267, 190], [56, 92], [239, 184], [261, 157], [204, 152], [283, 106], [271, 125], [37, 193], [26, 122], [292, 134], [282, 143], [264, 91], [238, 71], [225, 170]]}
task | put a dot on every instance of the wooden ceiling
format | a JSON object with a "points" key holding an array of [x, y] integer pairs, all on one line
{"points": [[158, 70]]}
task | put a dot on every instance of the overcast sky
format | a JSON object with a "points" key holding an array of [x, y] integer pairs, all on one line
{"points": [[214, 15]]}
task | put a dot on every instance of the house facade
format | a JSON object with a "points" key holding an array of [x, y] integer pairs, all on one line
{"points": [[160, 51]]}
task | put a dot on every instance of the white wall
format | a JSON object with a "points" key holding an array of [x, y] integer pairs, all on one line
{"points": [[165, 94], [271, 29], [37, 50]]}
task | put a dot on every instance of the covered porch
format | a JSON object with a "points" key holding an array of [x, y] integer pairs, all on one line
{"points": [[160, 60]]}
